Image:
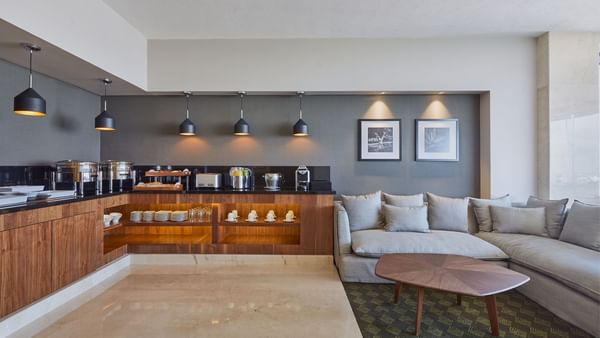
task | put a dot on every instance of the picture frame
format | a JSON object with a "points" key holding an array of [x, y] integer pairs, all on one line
{"points": [[437, 140], [379, 140]]}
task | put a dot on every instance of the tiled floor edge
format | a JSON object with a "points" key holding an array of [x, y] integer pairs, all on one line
{"points": [[64, 300]]}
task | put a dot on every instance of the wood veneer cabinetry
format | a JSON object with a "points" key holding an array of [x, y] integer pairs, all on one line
{"points": [[25, 266], [44, 249], [76, 248], [310, 234]]}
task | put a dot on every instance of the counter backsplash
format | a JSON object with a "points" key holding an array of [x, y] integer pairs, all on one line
{"points": [[40, 175]]}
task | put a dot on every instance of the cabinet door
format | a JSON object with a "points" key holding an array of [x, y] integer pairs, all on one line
{"points": [[76, 248], [25, 265]]}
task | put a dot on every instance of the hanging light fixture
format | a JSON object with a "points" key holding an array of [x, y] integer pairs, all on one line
{"points": [[104, 121], [29, 102], [187, 127], [241, 127], [300, 128]]}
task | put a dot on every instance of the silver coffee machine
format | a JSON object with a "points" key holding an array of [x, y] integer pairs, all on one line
{"points": [[302, 178]]}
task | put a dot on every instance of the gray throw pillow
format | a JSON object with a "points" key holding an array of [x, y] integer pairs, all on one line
{"points": [[404, 200], [445, 213], [583, 226], [528, 221], [481, 209], [364, 211], [405, 218], [555, 213]]}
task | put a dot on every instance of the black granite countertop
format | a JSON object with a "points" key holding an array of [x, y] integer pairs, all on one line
{"points": [[53, 202]]}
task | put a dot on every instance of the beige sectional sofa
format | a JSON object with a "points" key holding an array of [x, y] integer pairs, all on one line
{"points": [[565, 278]]}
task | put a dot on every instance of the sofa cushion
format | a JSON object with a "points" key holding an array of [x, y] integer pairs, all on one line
{"points": [[404, 200], [446, 213], [572, 265], [364, 211], [529, 221], [405, 218], [481, 210], [376, 243], [583, 226], [555, 213]]}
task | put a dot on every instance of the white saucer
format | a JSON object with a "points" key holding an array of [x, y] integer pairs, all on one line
{"points": [[288, 220], [251, 221]]}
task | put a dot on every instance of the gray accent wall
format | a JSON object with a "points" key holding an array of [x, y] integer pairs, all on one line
{"points": [[148, 125], [67, 132]]}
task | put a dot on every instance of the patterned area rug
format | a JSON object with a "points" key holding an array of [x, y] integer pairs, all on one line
{"points": [[519, 316]]}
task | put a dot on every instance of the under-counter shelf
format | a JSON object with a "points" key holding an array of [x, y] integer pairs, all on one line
{"points": [[116, 241], [259, 239], [165, 224], [260, 223]]}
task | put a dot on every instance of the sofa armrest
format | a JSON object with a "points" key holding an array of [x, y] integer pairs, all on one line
{"points": [[342, 239]]}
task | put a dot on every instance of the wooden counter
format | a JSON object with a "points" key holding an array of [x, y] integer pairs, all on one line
{"points": [[44, 248]]}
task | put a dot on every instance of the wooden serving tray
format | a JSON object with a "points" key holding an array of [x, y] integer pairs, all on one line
{"points": [[167, 173], [158, 187]]}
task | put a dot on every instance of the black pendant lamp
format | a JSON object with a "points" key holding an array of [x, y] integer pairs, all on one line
{"points": [[187, 127], [241, 127], [29, 102], [300, 128], [104, 121]]}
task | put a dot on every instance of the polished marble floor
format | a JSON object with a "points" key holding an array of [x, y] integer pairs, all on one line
{"points": [[219, 299]]}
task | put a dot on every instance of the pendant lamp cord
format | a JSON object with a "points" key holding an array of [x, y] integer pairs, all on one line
{"points": [[242, 105], [30, 68], [187, 105], [300, 95], [105, 85]]}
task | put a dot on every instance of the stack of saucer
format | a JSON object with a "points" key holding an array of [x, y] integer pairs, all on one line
{"points": [[162, 215], [179, 216], [148, 216], [136, 216]]}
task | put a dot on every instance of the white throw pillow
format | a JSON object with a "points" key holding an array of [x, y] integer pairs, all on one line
{"points": [[528, 221], [412, 219], [446, 213], [364, 211], [415, 200]]}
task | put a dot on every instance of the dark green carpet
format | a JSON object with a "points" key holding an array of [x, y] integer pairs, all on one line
{"points": [[520, 317]]}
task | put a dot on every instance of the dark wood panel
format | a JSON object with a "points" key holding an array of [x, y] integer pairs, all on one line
{"points": [[25, 263], [76, 248]]}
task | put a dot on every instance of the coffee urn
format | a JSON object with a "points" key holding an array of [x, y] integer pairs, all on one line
{"points": [[80, 176], [302, 178], [115, 176]]}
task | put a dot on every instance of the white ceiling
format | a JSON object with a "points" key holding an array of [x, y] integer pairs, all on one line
{"points": [[274, 19]]}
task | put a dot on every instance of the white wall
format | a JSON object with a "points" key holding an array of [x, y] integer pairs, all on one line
{"points": [[503, 66], [90, 30]]}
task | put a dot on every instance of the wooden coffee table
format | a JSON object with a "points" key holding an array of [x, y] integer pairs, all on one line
{"points": [[457, 274]]}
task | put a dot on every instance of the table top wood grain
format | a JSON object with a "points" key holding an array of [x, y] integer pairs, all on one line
{"points": [[452, 273]]}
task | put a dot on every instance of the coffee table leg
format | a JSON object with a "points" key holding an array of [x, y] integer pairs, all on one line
{"points": [[420, 296], [397, 290], [458, 299], [490, 302]]}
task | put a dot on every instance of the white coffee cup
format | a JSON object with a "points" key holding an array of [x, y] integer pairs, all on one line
{"points": [[235, 213], [270, 217], [290, 214], [253, 212], [231, 217], [252, 217]]}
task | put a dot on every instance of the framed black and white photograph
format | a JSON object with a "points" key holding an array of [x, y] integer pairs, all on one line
{"points": [[379, 140], [436, 140]]}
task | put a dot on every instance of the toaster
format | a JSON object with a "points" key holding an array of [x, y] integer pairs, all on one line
{"points": [[208, 181]]}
